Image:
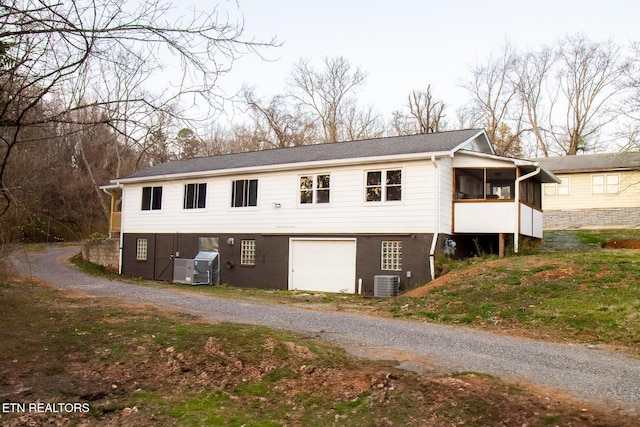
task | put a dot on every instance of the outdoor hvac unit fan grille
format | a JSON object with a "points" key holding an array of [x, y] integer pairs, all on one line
{"points": [[386, 286]]}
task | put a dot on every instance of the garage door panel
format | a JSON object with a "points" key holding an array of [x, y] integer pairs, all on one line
{"points": [[322, 265]]}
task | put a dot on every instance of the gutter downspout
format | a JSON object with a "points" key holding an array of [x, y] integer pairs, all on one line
{"points": [[121, 244], [516, 233], [434, 239]]}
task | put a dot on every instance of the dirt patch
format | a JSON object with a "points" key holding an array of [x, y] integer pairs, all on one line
{"points": [[451, 277], [622, 244], [535, 269]]}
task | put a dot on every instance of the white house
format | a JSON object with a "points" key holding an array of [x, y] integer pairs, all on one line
{"points": [[328, 217]]}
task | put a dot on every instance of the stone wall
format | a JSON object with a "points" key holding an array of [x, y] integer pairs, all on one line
{"points": [[591, 218], [105, 252]]}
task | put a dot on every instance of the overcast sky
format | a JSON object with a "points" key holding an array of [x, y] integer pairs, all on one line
{"points": [[406, 44]]}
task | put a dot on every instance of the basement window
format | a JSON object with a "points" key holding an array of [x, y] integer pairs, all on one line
{"points": [[391, 255], [248, 252], [142, 249]]}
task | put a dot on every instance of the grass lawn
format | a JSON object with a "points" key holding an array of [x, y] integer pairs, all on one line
{"points": [[139, 366], [588, 295]]}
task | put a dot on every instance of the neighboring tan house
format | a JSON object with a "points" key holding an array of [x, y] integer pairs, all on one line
{"points": [[327, 217], [597, 191]]}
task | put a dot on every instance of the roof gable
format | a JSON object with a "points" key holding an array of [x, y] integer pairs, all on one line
{"points": [[442, 142]]}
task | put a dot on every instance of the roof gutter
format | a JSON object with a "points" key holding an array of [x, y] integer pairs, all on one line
{"points": [[516, 234]]}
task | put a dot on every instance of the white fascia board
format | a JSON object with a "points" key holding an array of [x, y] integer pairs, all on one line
{"points": [[285, 167], [546, 173], [486, 156], [109, 187], [470, 139]]}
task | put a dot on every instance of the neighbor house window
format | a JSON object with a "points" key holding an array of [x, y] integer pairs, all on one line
{"points": [[244, 192], [315, 189], [561, 189], [195, 196], [605, 184], [248, 252], [384, 185], [391, 255], [142, 248], [485, 183], [151, 198]]}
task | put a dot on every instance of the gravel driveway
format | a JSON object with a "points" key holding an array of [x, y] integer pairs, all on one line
{"points": [[589, 374]]}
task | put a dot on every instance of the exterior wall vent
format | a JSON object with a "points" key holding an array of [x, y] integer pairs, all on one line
{"points": [[386, 286]]}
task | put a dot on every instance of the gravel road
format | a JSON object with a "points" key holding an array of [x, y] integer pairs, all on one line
{"points": [[590, 374]]}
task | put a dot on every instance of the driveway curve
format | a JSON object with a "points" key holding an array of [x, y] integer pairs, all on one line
{"points": [[594, 375]]}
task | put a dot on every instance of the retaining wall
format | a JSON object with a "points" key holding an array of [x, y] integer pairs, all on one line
{"points": [[591, 218], [105, 252]]}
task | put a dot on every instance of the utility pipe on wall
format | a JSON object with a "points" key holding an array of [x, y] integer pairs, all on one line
{"points": [[434, 239]]}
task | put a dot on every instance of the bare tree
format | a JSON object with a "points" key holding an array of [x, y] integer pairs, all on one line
{"points": [[629, 108], [59, 49], [495, 100], [361, 123], [587, 76], [533, 72], [279, 124], [426, 114], [327, 93]]}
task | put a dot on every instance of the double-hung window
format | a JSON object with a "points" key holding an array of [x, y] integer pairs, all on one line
{"points": [[562, 189], [384, 186], [244, 192], [605, 184], [315, 189], [195, 196], [151, 198]]}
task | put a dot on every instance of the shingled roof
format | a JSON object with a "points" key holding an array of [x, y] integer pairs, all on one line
{"points": [[592, 162], [398, 145]]}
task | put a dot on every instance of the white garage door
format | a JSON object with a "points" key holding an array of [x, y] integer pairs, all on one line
{"points": [[322, 265]]}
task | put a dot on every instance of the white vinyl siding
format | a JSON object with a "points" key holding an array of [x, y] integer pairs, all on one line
{"points": [[278, 208]]}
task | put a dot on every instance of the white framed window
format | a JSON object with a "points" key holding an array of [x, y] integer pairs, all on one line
{"points": [[384, 185], [315, 189], [561, 189], [391, 255], [195, 196], [248, 252], [142, 249], [151, 198], [605, 184], [244, 193]]}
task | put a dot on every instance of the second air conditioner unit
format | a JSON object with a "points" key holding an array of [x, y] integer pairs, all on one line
{"points": [[386, 286]]}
